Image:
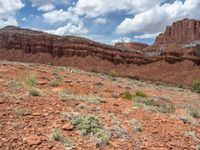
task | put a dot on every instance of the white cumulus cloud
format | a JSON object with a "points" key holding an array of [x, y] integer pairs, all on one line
{"points": [[158, 17], [48, 5], [8, 9], [70, 29], [59, 16], [95, 8]]}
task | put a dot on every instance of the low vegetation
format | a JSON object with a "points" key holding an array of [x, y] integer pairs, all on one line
{"points": [[35, 92], [113, 73], [117, 130], [54, 83], [127, 95], [89, 124], [31, 80], [13, 96], [67, 95], [196, 86], [57, 136], [187, 119], [140, 94], [154, 104], [19, 111], [194, 112], [137, 126], [191, 134]]}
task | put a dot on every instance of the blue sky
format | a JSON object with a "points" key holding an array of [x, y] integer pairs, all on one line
{"points": [[106, 21]]}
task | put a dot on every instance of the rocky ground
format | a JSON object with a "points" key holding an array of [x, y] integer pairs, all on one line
{"points": [[48, 107]]}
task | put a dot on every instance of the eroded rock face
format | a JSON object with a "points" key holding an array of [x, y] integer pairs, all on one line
{"points": [[179, 33], [132, 45], [65, 46], [129, 59]]}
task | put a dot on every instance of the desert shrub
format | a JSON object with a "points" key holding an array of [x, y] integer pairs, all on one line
{"points": [[91, 125], [113, 73], [196, 86], [127, 95], [118, 130], [20, 111], [191, 134], [140, 94], [57, 136], [50, 63], [187, 119], [137, 126], [67, 95], [34, 92], [87, 124], [155, 105], [54, 83], [31, 80], [194, 112], [101, 137]]}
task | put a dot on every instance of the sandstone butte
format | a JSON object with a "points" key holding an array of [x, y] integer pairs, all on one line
{"points": [[173, 58]]}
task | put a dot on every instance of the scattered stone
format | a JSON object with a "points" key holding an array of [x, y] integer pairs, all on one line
{"points": [[42, 83], [33, 140], [14, 137], [68, 126], [1, 101], [68, 81]]}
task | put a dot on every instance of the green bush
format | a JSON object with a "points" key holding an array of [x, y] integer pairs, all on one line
{"points": [[194, 112], [57, 136], [196, 86], [90, 124], [113, 73], [50, 63], [127, 95], [87, 124], [140, 94], [34, 92], [31, 80]]}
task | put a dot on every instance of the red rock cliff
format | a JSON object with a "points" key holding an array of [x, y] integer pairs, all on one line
{"points": [[30, 41], [181, 32], [34, 42]]}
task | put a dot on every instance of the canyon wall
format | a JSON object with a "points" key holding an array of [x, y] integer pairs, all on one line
{"points": [[173, 58]]}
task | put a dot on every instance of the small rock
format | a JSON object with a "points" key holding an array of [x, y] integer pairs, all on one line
{"points": [[115, 104], [1, 101], [14, 137], [70, 84], [33, 140], [42, 83], [68, 81], [154, 132], [68, 126]]}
